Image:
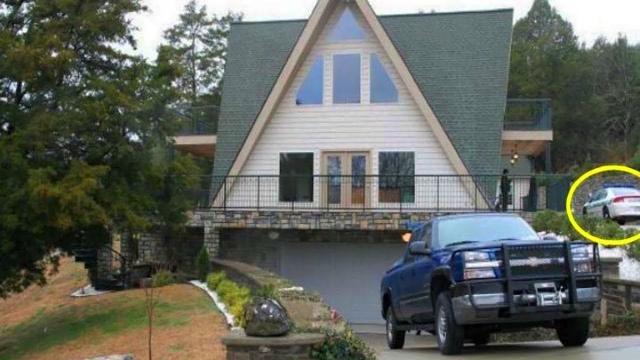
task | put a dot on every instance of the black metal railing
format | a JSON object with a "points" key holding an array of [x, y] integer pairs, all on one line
{"points": [[417, 193], [528, 114]]}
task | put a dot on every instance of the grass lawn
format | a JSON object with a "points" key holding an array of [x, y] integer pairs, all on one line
{"points": [[46, 323]]}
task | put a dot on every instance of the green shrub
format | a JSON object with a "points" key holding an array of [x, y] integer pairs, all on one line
{"points": [[268, 292], [214, 279], [203, 264], [163, 278], [235, 296], [342, 345]]}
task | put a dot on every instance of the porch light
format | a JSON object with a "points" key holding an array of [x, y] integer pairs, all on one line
{"points": [[513, 161], [406, 237]]}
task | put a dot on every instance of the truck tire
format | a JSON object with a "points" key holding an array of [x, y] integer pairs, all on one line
{"points": [[573, 332], [450, 335], [395, 338]]}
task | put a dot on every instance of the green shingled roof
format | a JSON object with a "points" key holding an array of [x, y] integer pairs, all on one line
{"points": [[459, 60]]}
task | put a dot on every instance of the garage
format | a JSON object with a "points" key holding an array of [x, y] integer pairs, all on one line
{"points": [[347, 275]]}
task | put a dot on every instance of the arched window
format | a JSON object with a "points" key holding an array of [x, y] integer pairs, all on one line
{"points": [[311, 92], [383, 89], [347, 28]]}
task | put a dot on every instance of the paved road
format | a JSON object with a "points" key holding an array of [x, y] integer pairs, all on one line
{"points": [[424, 348]]}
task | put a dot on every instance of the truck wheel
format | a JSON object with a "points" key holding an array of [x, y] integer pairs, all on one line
{"points": [[481, 340], [395, 338], [573, 332], [450, 335]]}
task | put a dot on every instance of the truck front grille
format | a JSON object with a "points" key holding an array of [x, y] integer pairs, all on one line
{"points": [[537, 260]]}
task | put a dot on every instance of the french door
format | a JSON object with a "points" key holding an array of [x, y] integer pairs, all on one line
{"points": [[345, 182]]}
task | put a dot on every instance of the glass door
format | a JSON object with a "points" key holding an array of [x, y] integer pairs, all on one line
{"points": [[346, 182]]}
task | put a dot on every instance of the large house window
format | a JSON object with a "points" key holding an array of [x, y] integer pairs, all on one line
{"points": [[311, 91], [382, 88], [346, 79], [296, 177], [397, 177], [347, 28]]}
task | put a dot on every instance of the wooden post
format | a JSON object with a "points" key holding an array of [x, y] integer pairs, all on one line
{"points": [[627, 297], [603, 313]]}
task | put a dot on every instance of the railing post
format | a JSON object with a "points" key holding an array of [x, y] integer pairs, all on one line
{"points": [[475, 198], [258, 207], [437, 193], [224, 193]]}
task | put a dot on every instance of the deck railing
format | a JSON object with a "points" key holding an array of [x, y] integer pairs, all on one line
{"points": [[398, 193], [528, 114]]}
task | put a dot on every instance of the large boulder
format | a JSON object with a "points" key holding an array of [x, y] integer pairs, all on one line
{"points": [[266, 317]]}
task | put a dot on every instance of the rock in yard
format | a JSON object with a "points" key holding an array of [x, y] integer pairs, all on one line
{"points": [[266, 317]]}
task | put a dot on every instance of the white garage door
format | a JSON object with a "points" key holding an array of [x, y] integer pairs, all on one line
{"points": [[347, 275]]}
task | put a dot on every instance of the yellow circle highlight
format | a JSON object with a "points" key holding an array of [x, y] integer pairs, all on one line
{"points": [[574, 223]]}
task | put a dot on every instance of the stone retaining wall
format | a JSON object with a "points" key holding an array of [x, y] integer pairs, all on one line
{"points": [[595, 183], [306, 309], [292, 347]]}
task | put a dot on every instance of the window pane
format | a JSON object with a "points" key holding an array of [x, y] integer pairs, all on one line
{"points": [[334, 170], [383, 89], [397, 177], [346, 79], [296, 177], [358, 179], [347, 28], [311, 91]]}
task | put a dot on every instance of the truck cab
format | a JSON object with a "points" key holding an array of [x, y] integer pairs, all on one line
{"points": [[464, 277]]}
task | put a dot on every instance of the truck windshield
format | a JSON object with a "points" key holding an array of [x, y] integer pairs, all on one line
{"points": [[478, 229]]}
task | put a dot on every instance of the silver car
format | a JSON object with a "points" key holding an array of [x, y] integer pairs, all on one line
{"points": [[620, 203]]}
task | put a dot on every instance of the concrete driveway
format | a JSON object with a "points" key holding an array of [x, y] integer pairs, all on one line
{"points": [[424, 347]]}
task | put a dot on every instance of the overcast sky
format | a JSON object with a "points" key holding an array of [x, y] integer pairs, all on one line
{"points": [[590, 18]]}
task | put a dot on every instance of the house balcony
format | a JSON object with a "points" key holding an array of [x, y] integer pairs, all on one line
{"points": [[198, 138], [436, 194], [528, 127]]}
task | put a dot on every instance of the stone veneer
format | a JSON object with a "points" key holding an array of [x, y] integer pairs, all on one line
{"points": [[213, 221]]}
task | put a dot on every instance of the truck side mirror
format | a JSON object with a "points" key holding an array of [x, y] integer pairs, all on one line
{"points": [[419, 248]]}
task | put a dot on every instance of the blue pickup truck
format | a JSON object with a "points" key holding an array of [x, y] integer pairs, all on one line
{"points": [[464, 277]]}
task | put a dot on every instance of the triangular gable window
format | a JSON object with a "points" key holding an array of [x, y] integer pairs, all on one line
{"points": [[383, 90], [311, 91], [347, 28]]}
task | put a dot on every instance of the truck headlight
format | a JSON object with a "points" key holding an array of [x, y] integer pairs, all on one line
{"points": [[478, 265], [582, 258]]}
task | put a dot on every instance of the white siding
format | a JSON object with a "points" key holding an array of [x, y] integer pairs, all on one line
{"points": [[362, 127]]}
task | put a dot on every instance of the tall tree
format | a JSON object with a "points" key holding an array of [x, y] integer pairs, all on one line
{"points": [[79, 122], [617, 84], [547, 61], [198, 45]]}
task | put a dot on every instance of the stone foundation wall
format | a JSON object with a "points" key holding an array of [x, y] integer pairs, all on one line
{"points": [[175, 253], [213, 221]]}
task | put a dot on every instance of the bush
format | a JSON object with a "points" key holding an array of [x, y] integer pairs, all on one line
{"points": [[267, 292], [163, 278], [214, 279], [235, 296], [342, 345], [203, 264]]}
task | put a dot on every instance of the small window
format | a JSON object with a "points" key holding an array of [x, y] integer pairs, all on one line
{"points": [[397, 177], [347, 28], [383, 89], [346, 79], [296, 177], [311, 92]]}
